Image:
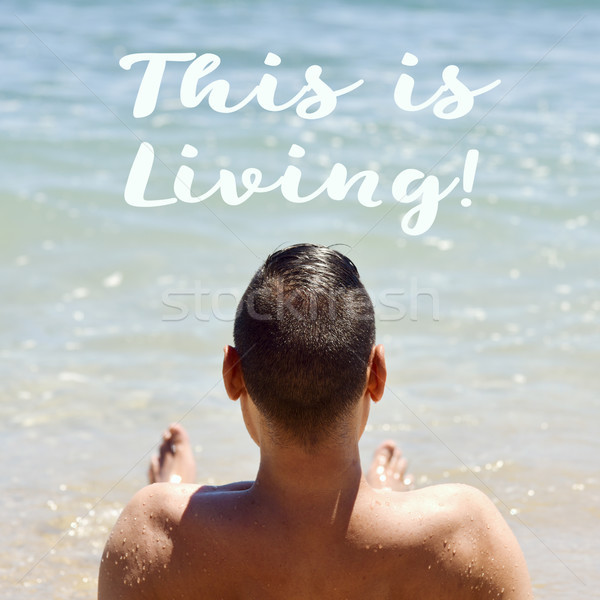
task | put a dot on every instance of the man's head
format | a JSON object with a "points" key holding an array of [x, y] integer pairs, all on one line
{"points": [[304, 331]]}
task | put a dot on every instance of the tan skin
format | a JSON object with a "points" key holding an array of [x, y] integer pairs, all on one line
{"points": [[311, 525]]}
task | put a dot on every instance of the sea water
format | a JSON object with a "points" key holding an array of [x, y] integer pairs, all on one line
{"points": [[114, 317]]}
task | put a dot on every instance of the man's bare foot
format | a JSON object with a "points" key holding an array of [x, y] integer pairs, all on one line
{"points": [[175, 461], [388, 469]]}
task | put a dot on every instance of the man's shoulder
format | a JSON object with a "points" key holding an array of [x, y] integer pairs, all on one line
{"points": [[449, 492], [161, 525], [141, 542], [153, 515], [457, 512], [155, 508], [160, 504], [126, 568], [467, 537], [452, 503]]}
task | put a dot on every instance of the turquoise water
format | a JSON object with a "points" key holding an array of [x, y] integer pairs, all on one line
{"points": [[490, 318]]}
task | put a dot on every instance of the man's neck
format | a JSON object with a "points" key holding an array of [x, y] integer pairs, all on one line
{"points": [[323, 482]]}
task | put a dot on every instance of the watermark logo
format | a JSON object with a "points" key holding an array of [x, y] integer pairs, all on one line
{"points": [[204, 304]]}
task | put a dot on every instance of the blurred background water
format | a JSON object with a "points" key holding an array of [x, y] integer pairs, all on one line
{"points": [[490, 319]]}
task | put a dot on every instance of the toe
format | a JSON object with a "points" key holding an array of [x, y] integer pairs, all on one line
{"points": [[153, 470], [398, 462], [176, 430], [384, 452]]}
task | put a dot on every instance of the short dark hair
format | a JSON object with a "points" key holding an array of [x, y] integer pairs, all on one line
{"points": [[304, 330]]}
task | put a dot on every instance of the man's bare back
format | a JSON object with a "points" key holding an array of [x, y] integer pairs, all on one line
{"points": [[364, 542], [305, 370]]}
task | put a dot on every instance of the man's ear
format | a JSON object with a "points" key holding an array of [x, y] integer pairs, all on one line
{"points": [[233, 377], [377, 374]]}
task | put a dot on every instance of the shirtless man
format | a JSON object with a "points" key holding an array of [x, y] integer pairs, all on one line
{"points": [[305, 369]]}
